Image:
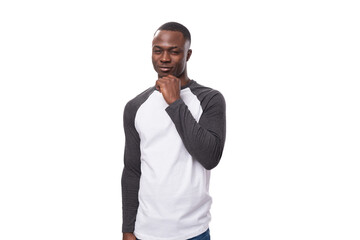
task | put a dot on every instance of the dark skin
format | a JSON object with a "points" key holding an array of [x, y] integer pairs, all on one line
{"points": [[170, 53]]}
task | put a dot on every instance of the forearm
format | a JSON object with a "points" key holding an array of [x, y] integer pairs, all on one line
{"points": [[204, 140], [130, 202]]}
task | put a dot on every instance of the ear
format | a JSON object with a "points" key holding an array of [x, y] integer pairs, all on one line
{"points": [[188, 54]]}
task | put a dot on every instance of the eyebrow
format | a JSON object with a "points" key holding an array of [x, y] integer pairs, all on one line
{"points": [[170, 48]]}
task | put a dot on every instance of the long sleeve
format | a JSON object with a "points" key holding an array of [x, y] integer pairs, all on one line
{"points": [[204, 140], [131, 172]]}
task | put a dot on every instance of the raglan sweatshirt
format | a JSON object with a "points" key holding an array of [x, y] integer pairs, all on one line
{"points": [[169, 152]]}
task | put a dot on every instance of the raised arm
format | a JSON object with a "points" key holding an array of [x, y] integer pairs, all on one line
{"points": [[205, 139]]}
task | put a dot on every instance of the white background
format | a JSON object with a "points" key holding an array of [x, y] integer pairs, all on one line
{"points": [[289, 71]]}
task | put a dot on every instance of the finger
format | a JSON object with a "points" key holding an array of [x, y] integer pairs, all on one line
{"points": [[171, 76], [169, 80], [159, 84], [164, 79]]}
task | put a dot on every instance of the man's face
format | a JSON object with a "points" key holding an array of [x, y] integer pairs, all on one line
{"points": [[170, 52]]}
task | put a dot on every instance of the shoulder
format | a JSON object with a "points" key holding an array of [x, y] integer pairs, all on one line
{"points": [[206, 95], [133, 105], [136, 102]]}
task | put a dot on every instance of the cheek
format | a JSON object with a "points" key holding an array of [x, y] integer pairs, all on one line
{"points": [[179, 68], [154, 60], [181, 64]]}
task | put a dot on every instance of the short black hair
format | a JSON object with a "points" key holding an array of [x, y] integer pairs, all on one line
{"points": [[176, 27]]}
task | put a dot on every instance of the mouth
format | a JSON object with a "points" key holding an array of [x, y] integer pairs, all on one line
{"points": [[165, 69]]}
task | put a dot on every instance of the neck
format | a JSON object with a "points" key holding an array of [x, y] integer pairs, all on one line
{"points": [[184, 78]]}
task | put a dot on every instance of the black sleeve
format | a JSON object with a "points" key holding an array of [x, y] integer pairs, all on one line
{"points": [[131, 174], [204, 140]]}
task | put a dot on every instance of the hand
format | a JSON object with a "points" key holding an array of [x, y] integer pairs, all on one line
{"points": [[129, 236], [170, 87]]}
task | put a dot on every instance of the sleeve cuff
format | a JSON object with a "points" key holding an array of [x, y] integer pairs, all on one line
{"points": [[175, 105]]}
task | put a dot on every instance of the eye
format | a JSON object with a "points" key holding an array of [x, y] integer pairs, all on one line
{"points": [[175, 52], [157, 51]]}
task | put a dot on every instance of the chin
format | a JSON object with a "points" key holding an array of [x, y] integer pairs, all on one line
{"points": [[160, 75], [164, 74]]}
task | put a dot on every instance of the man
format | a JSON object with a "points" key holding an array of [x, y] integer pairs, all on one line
{"points": [[174, 136]]}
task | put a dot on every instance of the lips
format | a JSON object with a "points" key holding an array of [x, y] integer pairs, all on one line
{"points": [[164, 68]]}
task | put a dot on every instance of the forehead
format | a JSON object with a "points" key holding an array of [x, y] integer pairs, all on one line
{"points": [[168, 38]]}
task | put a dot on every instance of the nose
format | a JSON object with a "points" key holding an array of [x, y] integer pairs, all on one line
{"points": [[165, 57]]}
